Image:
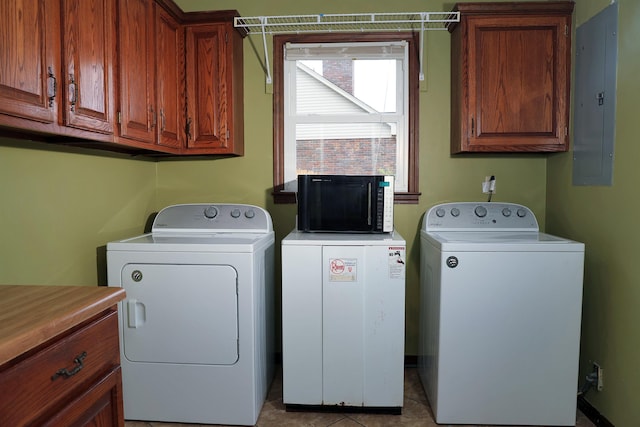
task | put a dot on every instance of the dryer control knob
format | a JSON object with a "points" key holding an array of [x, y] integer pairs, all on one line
{"points": [[506, 212], [521, 213], [250, 213], [455, 212], [211, 212], [235, 213], [480, 211], [440, 212]]}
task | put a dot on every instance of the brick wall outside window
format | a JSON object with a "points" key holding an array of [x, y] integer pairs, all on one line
{"points": [[339, 72], [347, 156]]}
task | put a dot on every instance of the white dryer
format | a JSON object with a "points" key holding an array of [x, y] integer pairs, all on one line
{"points": [[196, 327], [500, 312]]}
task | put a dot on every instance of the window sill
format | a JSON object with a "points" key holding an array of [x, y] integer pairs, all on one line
{"points": [[288, 197]]}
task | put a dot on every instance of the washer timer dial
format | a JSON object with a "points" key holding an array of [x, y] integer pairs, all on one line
{"points": [[480, 211], [211, 212]]}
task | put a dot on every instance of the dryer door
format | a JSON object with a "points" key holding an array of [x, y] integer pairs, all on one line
{"points": [[186, 314]]}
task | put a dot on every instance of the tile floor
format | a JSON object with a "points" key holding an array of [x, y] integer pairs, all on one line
{"points": [[416, 412]]}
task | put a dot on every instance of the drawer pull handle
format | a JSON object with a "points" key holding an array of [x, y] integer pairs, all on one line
{"points": [[66, 373]]}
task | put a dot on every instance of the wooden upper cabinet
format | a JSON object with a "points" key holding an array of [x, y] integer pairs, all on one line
{"points": [[29, 60], [171, 102], [138, 116], [140, 76], [214, 89], [511, 77], [88, 63]]}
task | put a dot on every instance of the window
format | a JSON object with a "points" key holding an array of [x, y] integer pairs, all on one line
{"points": [[346, 104]]}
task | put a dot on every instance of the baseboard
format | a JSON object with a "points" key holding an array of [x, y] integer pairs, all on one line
{"points": [[592, 413]]}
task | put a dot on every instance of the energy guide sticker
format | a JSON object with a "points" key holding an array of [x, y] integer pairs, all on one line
{"points": [[397, 262], [343, 269]]}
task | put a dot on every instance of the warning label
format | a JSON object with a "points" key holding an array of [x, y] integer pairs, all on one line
{"points": [[397, 262], [343, 269]]}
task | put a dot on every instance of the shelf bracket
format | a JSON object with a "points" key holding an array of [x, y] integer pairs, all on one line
{"points": [[421, 53], [266, 51]]}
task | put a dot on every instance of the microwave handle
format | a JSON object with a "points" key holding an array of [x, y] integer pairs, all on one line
{"points": [[369, 203]]}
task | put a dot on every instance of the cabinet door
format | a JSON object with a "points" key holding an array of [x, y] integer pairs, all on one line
{"points": [[137, 70], [88, 54], [170, 80], [517, 81], [510, 86], [208, 88], [29, 64]]}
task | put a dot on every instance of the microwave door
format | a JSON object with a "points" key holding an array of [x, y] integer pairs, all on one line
{"points": [[339, 203], [349, 210]]}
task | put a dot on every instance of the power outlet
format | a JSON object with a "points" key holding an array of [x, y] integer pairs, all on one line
{"points": [[599, 376], [489, 185]]}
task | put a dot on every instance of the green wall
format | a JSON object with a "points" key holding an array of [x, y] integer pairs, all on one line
{"points": [[58, 210], [605, 218]]}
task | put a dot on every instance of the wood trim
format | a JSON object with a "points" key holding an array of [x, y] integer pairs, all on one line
{"points": [[412, 195], [546, 8]]}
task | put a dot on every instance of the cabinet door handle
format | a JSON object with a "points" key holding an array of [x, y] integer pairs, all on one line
{"points": [[52, 86], [73, 92], [162, 120], [154, 118], [188, 128], [66, 373], [472, 127]]}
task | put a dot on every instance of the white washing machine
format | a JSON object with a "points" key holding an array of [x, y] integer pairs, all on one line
{"points": [[500, 312], [343, 299], [196, 327]]}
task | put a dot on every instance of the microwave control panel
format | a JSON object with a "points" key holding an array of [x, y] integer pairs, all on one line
{"points": [[387, 215]]}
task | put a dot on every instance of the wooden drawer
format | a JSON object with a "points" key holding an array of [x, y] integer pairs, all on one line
{"points": [[32, 388]]}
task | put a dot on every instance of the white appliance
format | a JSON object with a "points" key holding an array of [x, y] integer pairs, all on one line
{"points": [[343, 298], [500, 311], [196, 327]]}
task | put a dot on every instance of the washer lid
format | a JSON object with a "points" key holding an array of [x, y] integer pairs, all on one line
{"points": [[484, 237], [499, 241]]}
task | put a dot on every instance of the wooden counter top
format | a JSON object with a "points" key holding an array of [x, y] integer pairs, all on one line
{"points": [[31, 315]]}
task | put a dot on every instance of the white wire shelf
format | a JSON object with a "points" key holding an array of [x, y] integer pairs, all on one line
{"points": [[354, 22]]}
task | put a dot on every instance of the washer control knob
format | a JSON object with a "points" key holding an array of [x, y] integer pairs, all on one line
{"points": [[480, 211], [440, 212], [211, 212], [506, 212], [235, 213], [455, 212], [521, 213], [250, 213]]}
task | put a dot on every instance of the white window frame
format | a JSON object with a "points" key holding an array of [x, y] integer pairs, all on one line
{"points": [[397, 50], [281, 192]]}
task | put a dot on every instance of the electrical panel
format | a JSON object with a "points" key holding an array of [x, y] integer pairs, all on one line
{"points": [[595, 98]]}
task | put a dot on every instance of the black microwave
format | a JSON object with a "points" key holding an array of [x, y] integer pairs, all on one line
{"points": [[345, 203]]}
